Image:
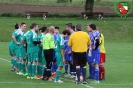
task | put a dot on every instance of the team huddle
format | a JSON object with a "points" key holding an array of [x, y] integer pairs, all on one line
{"points": [[44, 55]]}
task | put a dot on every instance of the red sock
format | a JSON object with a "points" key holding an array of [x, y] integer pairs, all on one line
{"points": [[101, 72]]}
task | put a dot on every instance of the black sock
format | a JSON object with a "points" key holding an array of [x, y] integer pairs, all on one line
{"points": [[78, 74], [84, 74]]}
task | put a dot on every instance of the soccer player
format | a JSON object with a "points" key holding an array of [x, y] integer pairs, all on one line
{"points": [[48, 47], [17, 41], [32, 50], [68, 54], [89, 56], [79, 49], [54, 65], [95, 50], [12, 50], [41, 58], [102, 58], [59, 53]]}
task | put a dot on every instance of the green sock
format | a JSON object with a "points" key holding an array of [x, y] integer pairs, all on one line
{"points": [[19, 66], [33, 70], [42, 69], [12, 62], [15, 63], [57, 74], [29, 69], [23, 68], [38, 70]]}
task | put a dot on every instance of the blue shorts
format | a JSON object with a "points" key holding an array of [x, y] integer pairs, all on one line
{"points": [[68, 57], [96, 58], [89, 58], [54, 57]]}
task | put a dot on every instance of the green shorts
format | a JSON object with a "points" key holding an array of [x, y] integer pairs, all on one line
{"points": [[12, 51], [23, 53], [59, 59], [32, 56], [18, 52], [41, 57]]}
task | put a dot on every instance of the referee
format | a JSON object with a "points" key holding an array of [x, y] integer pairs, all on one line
{"points": [[48, 47], [79, 41]]}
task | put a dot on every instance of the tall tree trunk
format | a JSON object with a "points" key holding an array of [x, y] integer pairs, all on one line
{"points": [[89, 5]]}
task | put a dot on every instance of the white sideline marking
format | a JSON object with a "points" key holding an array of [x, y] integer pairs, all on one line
{"points": [[5, 60], [38, 83]]}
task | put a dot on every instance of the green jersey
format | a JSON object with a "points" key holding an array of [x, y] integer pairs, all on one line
{"points": [[48, 41], [59, 43], [30, 37], [18, 34], [12, 43], [40, 37]]}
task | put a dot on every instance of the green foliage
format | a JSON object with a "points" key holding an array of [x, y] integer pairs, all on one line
{"points": [[11, 14], [62, 1]]}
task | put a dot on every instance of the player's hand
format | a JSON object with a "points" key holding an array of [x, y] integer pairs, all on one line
{"points": [[41, 41], [70, 52], [24, 45], [93, 47]]}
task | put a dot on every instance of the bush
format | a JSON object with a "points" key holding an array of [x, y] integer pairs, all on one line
{"points": [[10, 14], [62, 1]]}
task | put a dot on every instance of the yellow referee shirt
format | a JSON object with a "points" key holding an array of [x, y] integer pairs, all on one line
{"points": [[79, 41], [102, 48]]}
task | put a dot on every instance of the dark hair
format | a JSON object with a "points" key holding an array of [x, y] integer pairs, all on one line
{"points": [[22, 23], [44, 29], [93, 26], [69, 25], [56, 27], [40, 29], [16, 26], [73, 28], [66, 32], [33, 25]]}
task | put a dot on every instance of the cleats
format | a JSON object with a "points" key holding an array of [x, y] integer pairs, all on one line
{"points": [[59, 81], [28, 77], [19, 73], [77, 82], [25, 74], [95, 82], [85, 82], [34, 77]]}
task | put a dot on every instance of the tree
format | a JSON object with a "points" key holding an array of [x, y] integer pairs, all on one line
{"points": [[89, 5]]}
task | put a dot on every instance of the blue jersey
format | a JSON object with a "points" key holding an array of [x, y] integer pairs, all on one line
{"points": [[94, 35], [67, 48], [55, 37]]}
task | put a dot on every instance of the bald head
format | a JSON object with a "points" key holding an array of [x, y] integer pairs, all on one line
{"points": [[51, 29]]}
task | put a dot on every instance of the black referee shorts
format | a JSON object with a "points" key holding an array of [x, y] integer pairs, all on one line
{"points": [[79, 59]]}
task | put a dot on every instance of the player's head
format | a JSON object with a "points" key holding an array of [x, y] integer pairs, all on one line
{"points": [[65, 33], [73, 28], [78, 27], [91, 27], [44, 29], [23, 26], [40, 30], [56, 30], [51, 29], [16, 26], [34, 26], [69, 26]]}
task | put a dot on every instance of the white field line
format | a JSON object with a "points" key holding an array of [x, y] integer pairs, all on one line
{"points": [[39, 83]]}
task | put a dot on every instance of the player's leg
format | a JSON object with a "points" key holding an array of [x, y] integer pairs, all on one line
{"points": [[59, 61], [39, 65], [29, 65], [49, 56], [23, 64], [97, 62], [19, 55], [34, 65], [101, 67]]}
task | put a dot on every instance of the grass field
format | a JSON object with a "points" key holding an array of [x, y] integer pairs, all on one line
{"points": [[115, 30], [118, 71]]}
